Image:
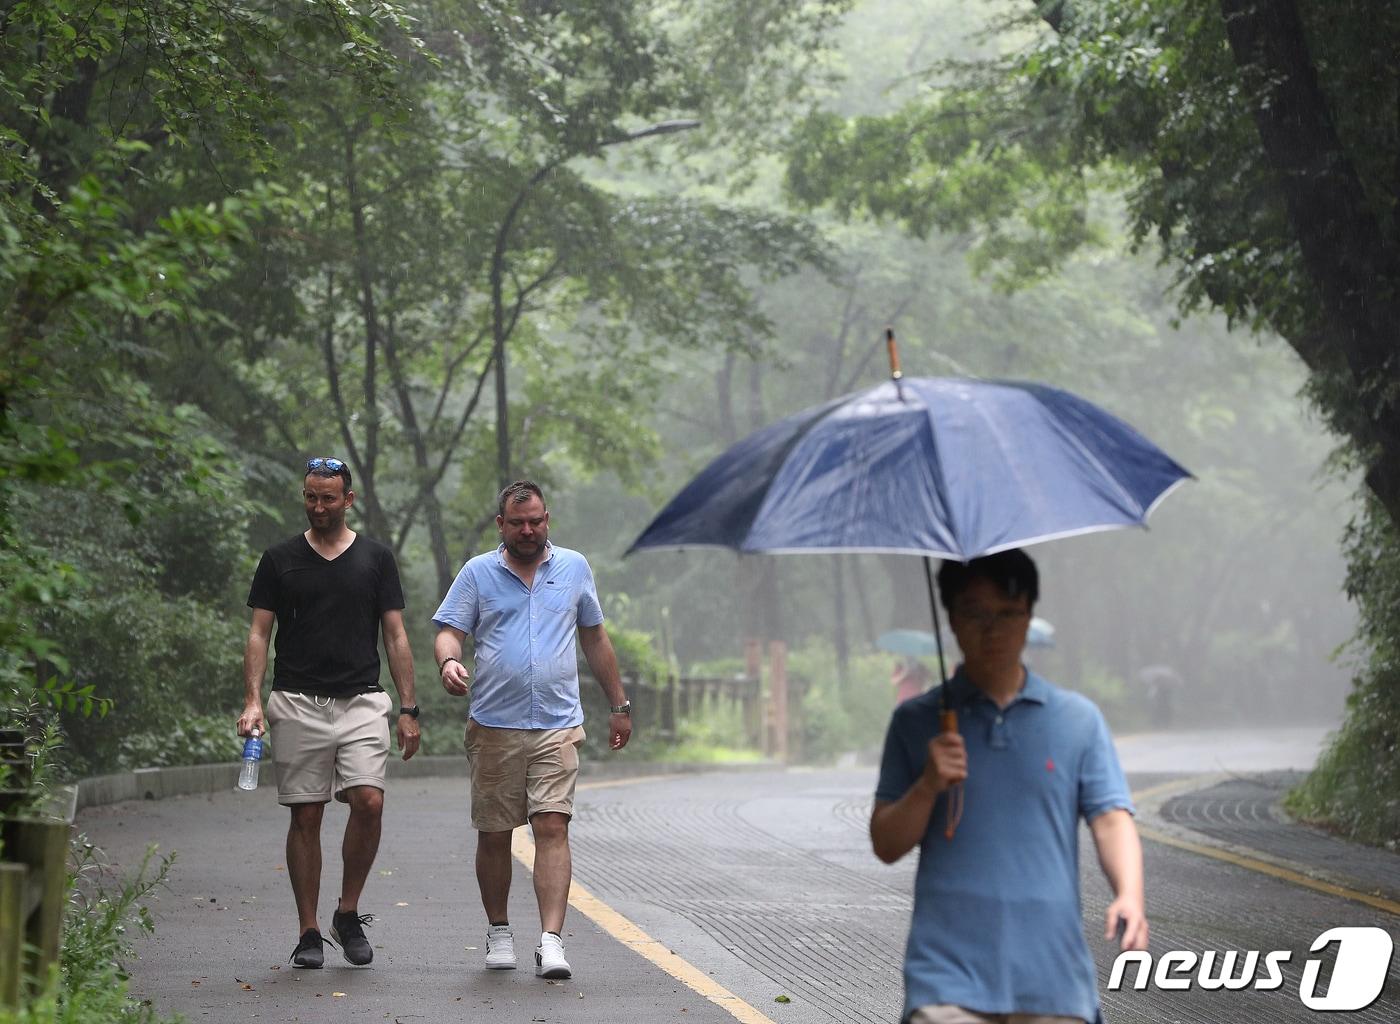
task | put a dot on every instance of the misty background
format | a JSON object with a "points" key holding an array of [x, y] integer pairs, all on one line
{"points": [[515, 258], [1238, 584]]}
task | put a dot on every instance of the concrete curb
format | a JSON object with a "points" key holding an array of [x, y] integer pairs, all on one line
{"points": [[159, 783]]}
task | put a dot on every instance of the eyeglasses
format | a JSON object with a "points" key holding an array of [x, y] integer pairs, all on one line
{"points": [[334, 465], [984, 620]]}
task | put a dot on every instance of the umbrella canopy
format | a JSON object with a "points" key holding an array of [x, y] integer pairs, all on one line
{"points": [[1041, 633], [913, 643], [942, 467]]}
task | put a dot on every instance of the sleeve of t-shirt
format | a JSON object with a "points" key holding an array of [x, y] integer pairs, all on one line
{"points": [[1102, 786], [390, 588], [590, 612], [897, 773], [459, 608], [263, 593]]}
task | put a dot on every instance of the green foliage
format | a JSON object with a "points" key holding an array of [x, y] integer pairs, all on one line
{"points": [[842, 715], [1355, 787], [637, 657], [120, 124], [709, 738], [156, 583], [89, 984]]}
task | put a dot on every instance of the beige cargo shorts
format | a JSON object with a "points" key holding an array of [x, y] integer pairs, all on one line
{"points": [[517, 773], [323, 746]]}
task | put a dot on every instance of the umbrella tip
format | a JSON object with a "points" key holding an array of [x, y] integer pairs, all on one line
{"points": [[895, 372]]}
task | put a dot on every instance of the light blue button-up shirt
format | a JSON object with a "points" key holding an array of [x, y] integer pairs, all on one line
{"points": [[997, 926], [526, 672]]}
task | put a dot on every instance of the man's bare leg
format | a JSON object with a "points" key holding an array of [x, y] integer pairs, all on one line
{"points": [[493, 871], [361, 842], [304, 861], [553, 868]]}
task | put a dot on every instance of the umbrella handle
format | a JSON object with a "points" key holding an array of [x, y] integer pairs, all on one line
{"points": [[949, 721]]}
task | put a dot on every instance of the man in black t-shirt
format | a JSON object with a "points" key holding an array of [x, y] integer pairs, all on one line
{"points": [[330, 592]]}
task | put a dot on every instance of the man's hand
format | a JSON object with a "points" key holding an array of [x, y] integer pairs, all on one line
{"points": [[1120, 855], [252, 718], [1126, 913], [947, 761], [408, 735], [619, 730], [456, 680]]}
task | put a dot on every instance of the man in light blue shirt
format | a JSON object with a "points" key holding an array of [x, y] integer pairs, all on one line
{"points": [[523, 604], [995, 806]]}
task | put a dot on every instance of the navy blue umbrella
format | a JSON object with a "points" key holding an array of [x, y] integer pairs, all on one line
{"points": [[942, 467]]}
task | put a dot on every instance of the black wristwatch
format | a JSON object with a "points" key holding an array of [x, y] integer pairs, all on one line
{"points": [[411, 712], [625, 708]]}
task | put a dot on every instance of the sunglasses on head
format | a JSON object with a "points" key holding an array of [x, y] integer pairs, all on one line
{"points": [[334, 465]]}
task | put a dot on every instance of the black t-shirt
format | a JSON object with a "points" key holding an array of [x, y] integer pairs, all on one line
{"points": [[328, 613]]}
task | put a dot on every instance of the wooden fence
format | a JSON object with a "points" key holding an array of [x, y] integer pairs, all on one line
{"points": [[33, 879]]}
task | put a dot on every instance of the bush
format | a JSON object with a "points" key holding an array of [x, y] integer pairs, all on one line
{"points": [[1355, 787], [839, 717], [709, 738], [89, 984], [199, 739]]}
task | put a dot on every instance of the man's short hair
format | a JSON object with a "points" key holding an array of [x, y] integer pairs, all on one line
{"points": [[1012, 572], [516, 493], [325, 472]]}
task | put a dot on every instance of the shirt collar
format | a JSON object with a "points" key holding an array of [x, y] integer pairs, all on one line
{"points": [[962, 691], [501, 554]]}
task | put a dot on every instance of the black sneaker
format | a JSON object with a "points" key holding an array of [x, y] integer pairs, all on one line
{"points": [[309, 953], [348, 928]]}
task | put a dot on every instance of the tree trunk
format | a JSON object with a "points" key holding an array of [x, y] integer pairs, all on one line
{"points": [[1354, 268], [377, 521]]}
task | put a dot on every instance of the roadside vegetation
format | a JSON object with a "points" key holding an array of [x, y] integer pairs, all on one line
{"points": [[458, 241]]}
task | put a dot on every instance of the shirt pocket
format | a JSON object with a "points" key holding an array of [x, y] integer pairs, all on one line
{"points": [[557, 597]]}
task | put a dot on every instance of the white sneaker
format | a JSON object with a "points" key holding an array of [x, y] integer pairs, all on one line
{"points": [[549, 957], [500, 948]]}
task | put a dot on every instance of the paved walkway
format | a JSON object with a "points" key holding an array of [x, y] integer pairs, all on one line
{"points": [[701, 898]]}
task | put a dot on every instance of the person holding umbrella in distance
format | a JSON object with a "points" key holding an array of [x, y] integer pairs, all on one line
{"points": [[996, 933]]}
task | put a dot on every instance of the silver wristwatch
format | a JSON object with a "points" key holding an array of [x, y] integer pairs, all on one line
{"points": [[625, 708]]}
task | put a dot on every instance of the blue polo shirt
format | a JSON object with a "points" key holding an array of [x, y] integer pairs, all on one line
{"points": [[526, 662], [997, 925]]}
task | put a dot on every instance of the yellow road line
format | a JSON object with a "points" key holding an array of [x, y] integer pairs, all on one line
{"points": [[631, 936], [1264, 867], [1242, 856], [627, 933]]}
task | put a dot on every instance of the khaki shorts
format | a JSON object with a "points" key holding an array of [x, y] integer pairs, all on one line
{"points": [[947, 1013], [517, 773], [322, 746]]}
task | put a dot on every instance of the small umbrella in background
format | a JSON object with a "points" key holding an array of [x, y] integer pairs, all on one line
{"points": [[939, 467], [912, 643], [920, 643]]}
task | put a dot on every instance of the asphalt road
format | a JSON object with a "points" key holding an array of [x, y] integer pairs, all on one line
{"points": [[752, 886]]}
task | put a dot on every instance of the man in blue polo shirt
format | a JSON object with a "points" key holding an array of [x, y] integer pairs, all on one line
{"points": [[523, 603], [996, 933]]}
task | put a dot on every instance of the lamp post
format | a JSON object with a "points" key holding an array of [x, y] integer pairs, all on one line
{"points": [[499, 331]]}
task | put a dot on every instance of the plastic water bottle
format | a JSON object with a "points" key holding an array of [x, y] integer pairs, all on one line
{"points": [[252, 755]]}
